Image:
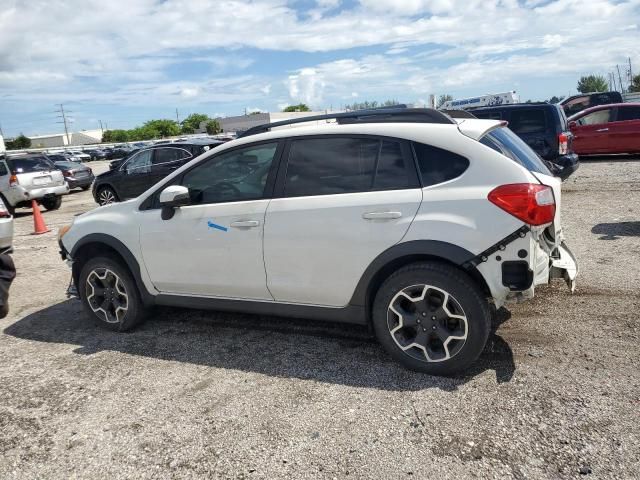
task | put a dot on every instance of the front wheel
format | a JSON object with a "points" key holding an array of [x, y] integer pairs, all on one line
{"points": [[52, 203], [109, 294], [432, 318]]}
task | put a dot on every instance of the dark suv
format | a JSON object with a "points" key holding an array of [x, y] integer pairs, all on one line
{"points": [[145, 168], [543, 126]]}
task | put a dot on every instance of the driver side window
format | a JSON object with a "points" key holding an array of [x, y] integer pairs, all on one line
{"points": [[141, 163], [230, 177]]}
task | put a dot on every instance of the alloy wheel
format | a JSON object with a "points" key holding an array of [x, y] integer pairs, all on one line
{"points": [[427, 323], [106, 197], [106, 295]]}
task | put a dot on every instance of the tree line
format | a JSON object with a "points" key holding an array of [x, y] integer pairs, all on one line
{"points": [[163, 128]]}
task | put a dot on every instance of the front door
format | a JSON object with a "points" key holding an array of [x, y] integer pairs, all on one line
{"points": [[591, 133], [136, 174], [344, 200], [213, 247]]}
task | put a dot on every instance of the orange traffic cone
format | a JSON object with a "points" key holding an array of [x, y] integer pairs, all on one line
{"points": [[39, 226]]}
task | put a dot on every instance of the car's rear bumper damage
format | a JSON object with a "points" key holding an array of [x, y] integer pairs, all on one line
{"points": [[525, 259]]}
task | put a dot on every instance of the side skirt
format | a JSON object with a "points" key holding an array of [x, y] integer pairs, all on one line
{"points": [[353, 314]]}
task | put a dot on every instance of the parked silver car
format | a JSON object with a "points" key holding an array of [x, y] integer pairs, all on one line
{"points": [[31, 177], [6, 229]]}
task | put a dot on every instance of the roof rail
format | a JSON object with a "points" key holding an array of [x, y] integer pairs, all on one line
{"points": [[395, 114]]}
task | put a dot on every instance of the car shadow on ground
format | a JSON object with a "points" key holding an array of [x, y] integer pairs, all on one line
{"points": [[279, 347], [613, 231]]}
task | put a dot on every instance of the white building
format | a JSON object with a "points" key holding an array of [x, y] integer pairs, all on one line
{"points": [[2, 147], [85, 137], [241, 123]]}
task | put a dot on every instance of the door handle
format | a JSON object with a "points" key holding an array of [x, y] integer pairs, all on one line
{"points": [[602, 130], [381, 215], [245, 224]]}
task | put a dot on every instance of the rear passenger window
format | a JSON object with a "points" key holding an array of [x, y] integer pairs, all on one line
{"points": [[391, 172], [527, 121], [344, 165], [438, 165], [628, 113]]}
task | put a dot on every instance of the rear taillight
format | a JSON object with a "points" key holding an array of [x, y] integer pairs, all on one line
{"points": [[13, 180], [563, 144], [530, 202]]}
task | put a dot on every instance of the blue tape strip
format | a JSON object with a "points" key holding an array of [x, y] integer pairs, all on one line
{"points": [[216, 226]]}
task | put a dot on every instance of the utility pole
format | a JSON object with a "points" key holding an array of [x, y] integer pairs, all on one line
{"points": [[101, 129], [630, 73], [620, 78], [177, 117], [64, 120]]}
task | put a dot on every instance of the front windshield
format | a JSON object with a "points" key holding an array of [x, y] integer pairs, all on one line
{"points": [[509, 144]]}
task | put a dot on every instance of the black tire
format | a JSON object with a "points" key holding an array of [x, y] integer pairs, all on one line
{"points": [[51, 203], [464, 294], [104, 193], [84, 189], [120, 321]]}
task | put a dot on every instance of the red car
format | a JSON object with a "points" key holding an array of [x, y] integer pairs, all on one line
{"points": [[606, 129]]}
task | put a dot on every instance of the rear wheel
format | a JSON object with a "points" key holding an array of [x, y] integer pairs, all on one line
{"points": [[109, 294], [432, 318], [84, 189], [51, 203], [107, 195]]}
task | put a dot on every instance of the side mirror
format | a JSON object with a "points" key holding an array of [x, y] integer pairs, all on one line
{"points": [[172, 197], [573, 124]]}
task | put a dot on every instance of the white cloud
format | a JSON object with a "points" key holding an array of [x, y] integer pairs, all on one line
{"points": [[189, 92], [119, 51]]}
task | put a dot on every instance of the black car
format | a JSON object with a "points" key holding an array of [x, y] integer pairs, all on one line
{"points": [[146, 167], [543, 126], [577, 103], [76, 174], [96, 154]]}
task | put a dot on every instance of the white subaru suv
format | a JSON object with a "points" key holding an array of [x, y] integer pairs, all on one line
{"points": [[405, 220]]}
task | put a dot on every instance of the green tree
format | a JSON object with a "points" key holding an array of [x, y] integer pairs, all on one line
{"points": [[442, 99], [18, 143], [193, 121], [556, 99], [592, 83], [112, 136], [635, 84], [163, 128], [371, 104], [301, 107], [213, 127]]}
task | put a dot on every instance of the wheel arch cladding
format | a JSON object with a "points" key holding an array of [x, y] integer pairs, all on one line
{"points": [[99, 243], [410, 252]]}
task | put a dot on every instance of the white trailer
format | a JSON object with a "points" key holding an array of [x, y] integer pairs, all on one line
{"points": [[2, 147], [488, 100]]}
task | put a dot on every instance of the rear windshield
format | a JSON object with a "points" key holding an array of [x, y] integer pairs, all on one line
{"points": [[509, 144], [29, 165], [67, 165]]}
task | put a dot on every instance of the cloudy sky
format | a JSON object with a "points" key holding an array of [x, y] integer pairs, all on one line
{"points": [[126, 61]]}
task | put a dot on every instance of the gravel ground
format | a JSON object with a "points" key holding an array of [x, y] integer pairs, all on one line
{"points": [[189, 394]]}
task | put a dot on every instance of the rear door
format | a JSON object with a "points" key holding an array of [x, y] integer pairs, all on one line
{"points": [[343, 201], [165, 161], [591, 132], [624, 132]]}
